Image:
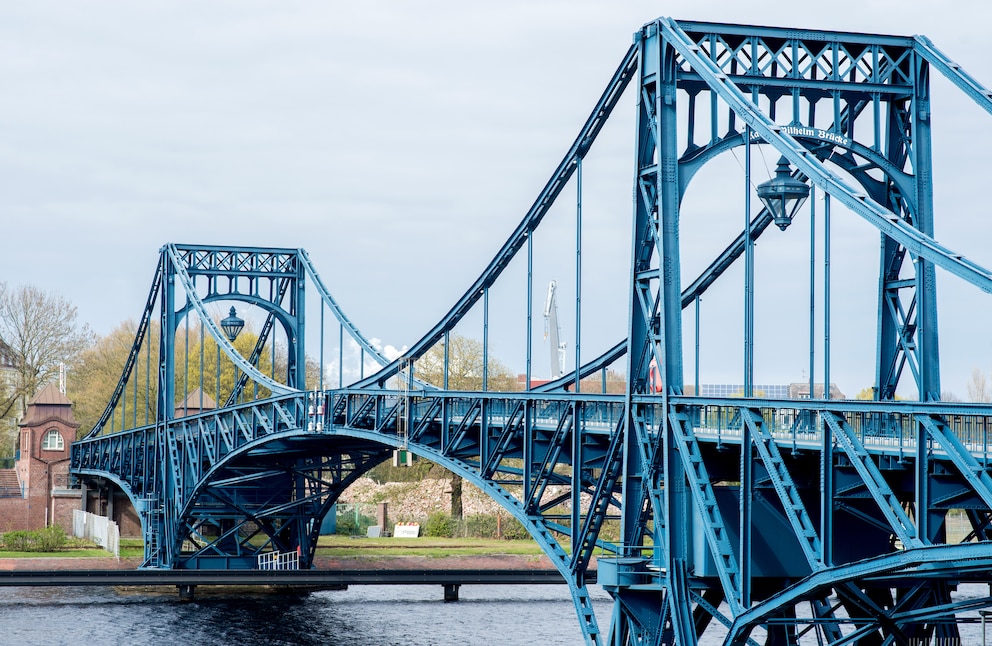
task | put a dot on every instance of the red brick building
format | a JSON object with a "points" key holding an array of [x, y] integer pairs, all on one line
{"points": [[36, 491]]}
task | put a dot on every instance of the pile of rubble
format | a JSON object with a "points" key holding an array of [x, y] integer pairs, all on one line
{"points": [[418, 500]]}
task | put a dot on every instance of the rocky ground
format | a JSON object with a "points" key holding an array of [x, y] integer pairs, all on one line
{"points": [[415, 501]]}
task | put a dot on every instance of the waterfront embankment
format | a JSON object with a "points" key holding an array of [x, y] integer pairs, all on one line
{"points": [[338, 563]]}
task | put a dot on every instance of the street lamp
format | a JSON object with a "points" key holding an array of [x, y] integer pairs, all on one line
{"points": [[232, 325], [783, 194]]}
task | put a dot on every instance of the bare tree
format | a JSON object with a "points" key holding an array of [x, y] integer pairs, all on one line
{"points": [[40, 331], [465, 367], [978, 387]]}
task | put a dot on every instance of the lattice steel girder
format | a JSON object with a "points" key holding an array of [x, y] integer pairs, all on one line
{"points": [[804, 57], [536, 440], [785, 487], [879, 489], [485, 436], [869, 424], [741, 66], [291, 315], [189, 461], [233, 262], [654, 330], [875, 435], [514, 501], [714, 526], [584, 541], [279, 499], [729, 64], [954, 561]]}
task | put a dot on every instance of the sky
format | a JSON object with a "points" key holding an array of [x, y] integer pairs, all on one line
{"points": [[401, 142]]}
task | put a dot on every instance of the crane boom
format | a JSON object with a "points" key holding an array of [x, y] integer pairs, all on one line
{"points": [[553, 329]]}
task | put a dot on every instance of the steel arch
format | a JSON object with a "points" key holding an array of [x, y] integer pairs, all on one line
{"points": [[694, 481]]}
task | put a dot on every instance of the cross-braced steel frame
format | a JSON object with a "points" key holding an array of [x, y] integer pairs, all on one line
{"points": [[862, 104], [784, 521]]}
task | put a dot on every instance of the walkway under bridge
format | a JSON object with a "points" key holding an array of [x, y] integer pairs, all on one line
{"points": [[758, 520]]}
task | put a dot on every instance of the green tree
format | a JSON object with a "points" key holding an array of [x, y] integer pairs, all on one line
{"points": [[616, 383], [92, 383], [866, 394], [200, 370]]}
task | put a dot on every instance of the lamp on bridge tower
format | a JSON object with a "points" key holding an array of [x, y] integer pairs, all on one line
{"points": [[232, 325], [782, 194]]}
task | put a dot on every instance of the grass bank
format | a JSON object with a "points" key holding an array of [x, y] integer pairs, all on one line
{"points": [[335, 545], [77, 548]]}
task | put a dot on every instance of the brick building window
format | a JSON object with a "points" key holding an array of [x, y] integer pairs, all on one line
{"points": [[53, 441]]}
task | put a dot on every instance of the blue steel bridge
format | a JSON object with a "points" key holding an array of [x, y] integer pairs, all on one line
{"points": [[748, 519]]}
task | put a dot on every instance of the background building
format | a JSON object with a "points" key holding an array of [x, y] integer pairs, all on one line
{"points": [[8, 387]]}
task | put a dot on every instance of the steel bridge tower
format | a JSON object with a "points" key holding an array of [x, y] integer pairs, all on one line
{"points": [[861, 103], [795, 520]]}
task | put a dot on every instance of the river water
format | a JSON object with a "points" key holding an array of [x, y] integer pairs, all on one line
{"points": [[506, 615], [360, 616]]}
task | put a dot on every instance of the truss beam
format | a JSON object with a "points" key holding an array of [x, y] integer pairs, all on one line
{"points": [[805, 474]]}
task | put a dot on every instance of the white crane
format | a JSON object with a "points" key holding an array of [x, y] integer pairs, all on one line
{"points": [[552, 328]]}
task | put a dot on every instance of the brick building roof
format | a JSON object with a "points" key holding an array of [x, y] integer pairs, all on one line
{"points": [[48, 404]]}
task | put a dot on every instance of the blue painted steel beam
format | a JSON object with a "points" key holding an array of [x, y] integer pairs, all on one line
{"points": [[877, 215], [581, 145], [339, 314], [254, 477], [177, 269], [966, 559]]}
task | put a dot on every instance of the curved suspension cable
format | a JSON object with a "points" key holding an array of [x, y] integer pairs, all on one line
{"points": [[914, 240], [275, 387], [594, 123], [132, 356], [339, 314]]}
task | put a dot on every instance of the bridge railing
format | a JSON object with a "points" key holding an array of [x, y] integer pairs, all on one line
{"points": [[882, 426], [376, 408], [875, 424], [279, 561]]}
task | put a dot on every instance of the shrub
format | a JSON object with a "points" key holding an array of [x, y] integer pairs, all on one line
{"points": [[17, 541], [439, 525], [50, 539], [351, 522], [481, 526]]}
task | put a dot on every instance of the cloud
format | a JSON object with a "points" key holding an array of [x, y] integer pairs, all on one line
{"points": [[400, 143]]}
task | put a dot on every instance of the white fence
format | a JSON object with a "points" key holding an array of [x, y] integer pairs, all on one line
{"points": [[99, 529], [279, 561]]}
